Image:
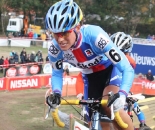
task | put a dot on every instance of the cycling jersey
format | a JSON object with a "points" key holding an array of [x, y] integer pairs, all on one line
{"points": [[93, 52]]}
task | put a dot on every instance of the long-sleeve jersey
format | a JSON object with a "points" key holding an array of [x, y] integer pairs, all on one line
{"points": [[92, 52]]}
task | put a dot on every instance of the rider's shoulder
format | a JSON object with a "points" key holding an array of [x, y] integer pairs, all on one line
{"points": [[90, 28], [54, 49]]}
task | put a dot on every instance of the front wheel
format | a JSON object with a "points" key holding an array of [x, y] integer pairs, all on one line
{"points": [[145, 128]]}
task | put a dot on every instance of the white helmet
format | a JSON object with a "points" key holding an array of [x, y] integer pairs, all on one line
{"points": [[63, 16], [122, 41]]}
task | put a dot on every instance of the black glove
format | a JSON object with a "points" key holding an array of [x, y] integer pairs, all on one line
{"points": [[53, 100]]}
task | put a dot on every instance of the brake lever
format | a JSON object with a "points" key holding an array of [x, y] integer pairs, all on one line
{"points": [[48, 112], [112, 98]]}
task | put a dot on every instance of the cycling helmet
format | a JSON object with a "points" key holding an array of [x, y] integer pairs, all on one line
{"points": [[63, 16], [122, 41]]}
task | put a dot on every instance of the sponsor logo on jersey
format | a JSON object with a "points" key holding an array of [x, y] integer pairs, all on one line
{"points": [[90, 63], [11, 72], [68, 57], [88, 52], [101, 41], [23, 70], [53, 50], [34, 69], [24, 83]]}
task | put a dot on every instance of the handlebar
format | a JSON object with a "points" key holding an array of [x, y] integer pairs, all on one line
{"points": [[55, 116]]}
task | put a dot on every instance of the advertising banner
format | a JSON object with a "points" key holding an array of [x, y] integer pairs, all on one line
{"points": [[25, 70], [144, 86], [144, 55], [2, 84], [20, 83], [78, 126]]}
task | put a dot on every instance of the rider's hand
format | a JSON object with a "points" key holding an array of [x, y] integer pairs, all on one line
{"points": [[80, 96], [119, 103], [53, 100]]}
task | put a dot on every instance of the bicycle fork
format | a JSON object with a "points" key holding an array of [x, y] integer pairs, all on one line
{"points": [[95, 122]]}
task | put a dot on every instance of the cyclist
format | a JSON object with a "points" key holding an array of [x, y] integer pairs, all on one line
{"points": [[90, 48], [124, 43], [140, 115]]}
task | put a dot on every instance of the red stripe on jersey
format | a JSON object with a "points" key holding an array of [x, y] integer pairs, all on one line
{"points": [[98, 68], [78, 53]]}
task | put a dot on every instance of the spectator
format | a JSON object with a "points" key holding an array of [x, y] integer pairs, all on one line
{"points": [[30, 34], [36, 58], [16, 57], [6, 65], [149, 37], [22, 52], [47, 59], [40, 59], [12, 53], [149, 76], [66, 70], [11, 60], [43, 36], [35, 36], [23, 58], [28, 60], [32, 56], [1, 63], [137, 35], [153, 37], [141, 76]]}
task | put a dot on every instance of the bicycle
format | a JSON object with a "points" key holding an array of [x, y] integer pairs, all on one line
{"points": [[95, 113]]}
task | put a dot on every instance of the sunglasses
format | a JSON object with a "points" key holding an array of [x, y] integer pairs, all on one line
{"points": [[62, 34]]}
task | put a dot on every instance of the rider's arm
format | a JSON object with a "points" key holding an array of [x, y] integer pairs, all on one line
{"points": [[139, 113], [131, 60], [56, 60], [102, 44]]}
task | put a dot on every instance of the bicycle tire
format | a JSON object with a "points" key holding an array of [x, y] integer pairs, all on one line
{"points": [[145, 128]]}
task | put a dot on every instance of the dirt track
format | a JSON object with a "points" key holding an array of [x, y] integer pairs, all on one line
{"points": [[23, 110]]}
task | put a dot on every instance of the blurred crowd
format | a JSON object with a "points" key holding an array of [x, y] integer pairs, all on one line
{"points": [[22, 58]]}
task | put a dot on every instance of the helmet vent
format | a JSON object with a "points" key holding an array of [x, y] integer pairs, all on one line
{"points": [[58, 7], [72, 12], [78, 13], [67, 3], [60, 22], [55, 19], [52, 10], [74, 4], [50, 22], [67, 21], [73, 22], [64, 11]]}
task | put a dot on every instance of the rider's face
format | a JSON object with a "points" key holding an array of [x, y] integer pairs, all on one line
{"points": [[66, 39]]}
